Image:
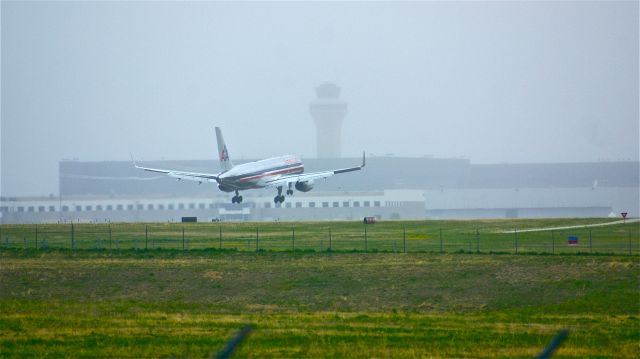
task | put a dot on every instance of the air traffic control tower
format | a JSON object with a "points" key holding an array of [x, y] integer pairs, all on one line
{"points": [[328, 112]]}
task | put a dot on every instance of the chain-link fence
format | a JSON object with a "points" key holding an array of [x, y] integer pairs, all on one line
{"points": [[397, 237]]}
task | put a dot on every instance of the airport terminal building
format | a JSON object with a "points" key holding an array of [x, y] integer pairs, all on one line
{"points": [[388, 188], [257, 207]]}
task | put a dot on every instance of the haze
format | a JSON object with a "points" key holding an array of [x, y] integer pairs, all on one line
{"points": [[490, 81]]}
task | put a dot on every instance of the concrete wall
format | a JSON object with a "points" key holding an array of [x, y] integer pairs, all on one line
{"points": [[532, 202]]}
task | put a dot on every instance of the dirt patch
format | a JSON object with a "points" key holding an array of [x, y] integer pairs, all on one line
{"points": [[213, 275]]}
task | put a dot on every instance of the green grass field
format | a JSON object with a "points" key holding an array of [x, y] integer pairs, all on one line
{"points": [[174, 303], [385, 236], [186, 304]]}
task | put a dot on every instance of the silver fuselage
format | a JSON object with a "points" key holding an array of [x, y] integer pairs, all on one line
{"points": [[255, 174]]}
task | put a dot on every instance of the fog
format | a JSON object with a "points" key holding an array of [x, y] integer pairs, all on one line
{"points": [[493, 82]]}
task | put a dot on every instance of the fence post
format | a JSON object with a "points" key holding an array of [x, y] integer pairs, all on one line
{"points": [[629, 242], [329, 238], [404, 236], [73, 237], [515, 231], [146, 237], [395, 246], [257, 240], [36, 232], [220, 235], [404, 244], [365, 237], [477, 240], [109, 236], [553, 243], [183, 238], [293, 239], [590, 243], [441, 248]]}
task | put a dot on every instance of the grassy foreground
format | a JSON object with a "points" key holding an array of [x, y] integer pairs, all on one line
{"points": [[187, 304]]}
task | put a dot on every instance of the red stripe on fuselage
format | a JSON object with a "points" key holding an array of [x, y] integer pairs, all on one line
{"points": [[290, 170]]}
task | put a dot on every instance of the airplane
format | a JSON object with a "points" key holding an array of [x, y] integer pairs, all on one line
{"points": [[284, 171]]}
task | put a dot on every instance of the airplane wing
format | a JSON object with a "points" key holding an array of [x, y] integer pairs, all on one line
{"points": [[181, 175], [285, 180]]}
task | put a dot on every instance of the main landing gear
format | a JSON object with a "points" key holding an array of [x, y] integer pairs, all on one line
{"points": [[290, 190], [237, 198], [279, 198]]}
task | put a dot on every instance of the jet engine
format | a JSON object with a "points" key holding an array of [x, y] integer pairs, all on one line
{"points": [[304, 186]]}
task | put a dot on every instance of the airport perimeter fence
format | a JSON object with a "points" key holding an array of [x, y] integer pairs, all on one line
{"points": [[392, 237]]}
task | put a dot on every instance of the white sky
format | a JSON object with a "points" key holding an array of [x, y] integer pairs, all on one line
{"points": [[491, 81]]}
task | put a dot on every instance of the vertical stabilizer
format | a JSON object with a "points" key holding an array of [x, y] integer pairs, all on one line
{"points": [[223, 153]]}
